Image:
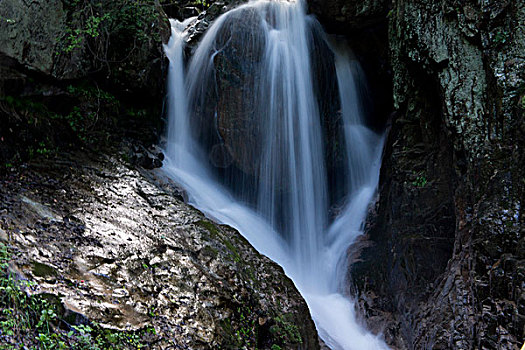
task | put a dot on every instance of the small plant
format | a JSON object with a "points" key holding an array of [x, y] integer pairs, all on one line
{"points": [[75, 37], [152, 312], [501, 37], [42, 149], [246, 331], [420, 181], [241, 330], [72, 40], [203, 4], [94, 24], [286, 330]]}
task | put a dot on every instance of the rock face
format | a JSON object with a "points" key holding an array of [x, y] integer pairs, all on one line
{"points": [[30, 32], [70, 41], [213, 9], [445, 268], [349, 13], [234, 84], [231, 122], [117, 247], [63, 63]]}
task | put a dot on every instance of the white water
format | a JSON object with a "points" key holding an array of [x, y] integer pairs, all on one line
{"points": [[292, 226]]}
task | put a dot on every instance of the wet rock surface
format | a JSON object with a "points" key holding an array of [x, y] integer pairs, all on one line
{"points": [[117, 247], [204, 16]]}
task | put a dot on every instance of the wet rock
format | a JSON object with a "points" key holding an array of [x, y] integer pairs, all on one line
{"points": [[148, 158], [128, 255], [230, 124], [199, 26], [363, 25], [236, 76]]}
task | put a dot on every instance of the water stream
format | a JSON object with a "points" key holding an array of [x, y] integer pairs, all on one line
{"points": [[271, 180]]}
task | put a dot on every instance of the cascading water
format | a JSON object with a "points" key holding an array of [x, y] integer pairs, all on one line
{"points": [[278, 195]]}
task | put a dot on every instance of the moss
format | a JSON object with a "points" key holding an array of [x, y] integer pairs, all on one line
{"points": [[251, 273], [43, 270], [210, 227], [215, 233], [286, 330], [234, 252], [210, 251], [229, 341], [241, 330]]}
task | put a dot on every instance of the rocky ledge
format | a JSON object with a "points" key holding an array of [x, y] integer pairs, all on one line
{"points": [[117, 246]]}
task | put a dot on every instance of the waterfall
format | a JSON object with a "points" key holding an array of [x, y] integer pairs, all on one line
{"points": [[247, 141]]}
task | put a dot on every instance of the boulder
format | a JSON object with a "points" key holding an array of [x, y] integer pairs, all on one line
{"points": [[29, 33], [115, 246]]}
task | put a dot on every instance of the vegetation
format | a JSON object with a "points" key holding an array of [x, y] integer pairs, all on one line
{"points": [[286, 330], [246, 332], [105, 51], [501, 37], [203, 4], [95, 25], [420, 181], [91, 112], [32, 321], [243, 334]]}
